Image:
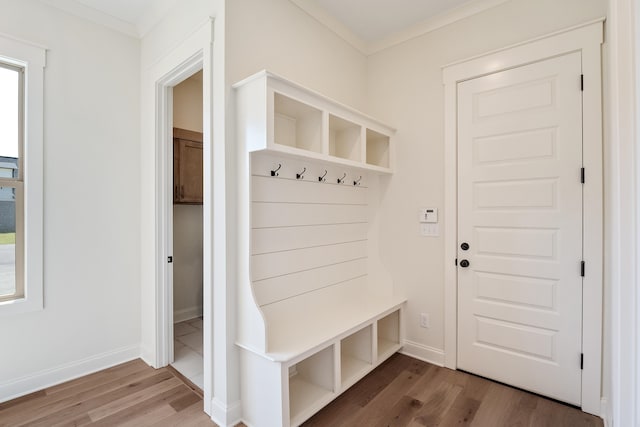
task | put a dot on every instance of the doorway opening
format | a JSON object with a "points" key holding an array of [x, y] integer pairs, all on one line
{"points": [[187, 229]]}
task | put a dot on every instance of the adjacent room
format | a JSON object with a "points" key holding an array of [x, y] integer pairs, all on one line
{"points": [[319, 212]]}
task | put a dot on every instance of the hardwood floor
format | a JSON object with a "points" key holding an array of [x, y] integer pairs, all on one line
{"points": [[401, 392], [131, 394], [407, 392]]}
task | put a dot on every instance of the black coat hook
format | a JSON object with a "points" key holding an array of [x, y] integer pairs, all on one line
{"points": [[275, 172], [341, 180], [301, 174], [358, 181], [321, 178]]}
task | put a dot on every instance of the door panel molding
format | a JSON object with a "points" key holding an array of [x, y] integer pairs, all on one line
{"points": [[586, 39]]}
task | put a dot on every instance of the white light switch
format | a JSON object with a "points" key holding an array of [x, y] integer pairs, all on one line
{"points": [[429, 229], [428, 215]]}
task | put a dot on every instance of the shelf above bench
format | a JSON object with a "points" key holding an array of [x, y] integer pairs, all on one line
{"points": [[287, 118]]}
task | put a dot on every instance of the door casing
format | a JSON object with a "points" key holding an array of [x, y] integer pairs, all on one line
{"points": [[586, 39]]}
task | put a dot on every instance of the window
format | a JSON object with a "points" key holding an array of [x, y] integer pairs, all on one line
{"points": [[11, 183], [21, 159]]}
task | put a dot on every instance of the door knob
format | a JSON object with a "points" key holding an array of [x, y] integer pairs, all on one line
{"points": [[464, 246], [464, 263]]}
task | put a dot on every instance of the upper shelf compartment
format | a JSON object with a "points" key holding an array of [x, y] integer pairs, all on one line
{"points": [[296, 124], [281, 116]]}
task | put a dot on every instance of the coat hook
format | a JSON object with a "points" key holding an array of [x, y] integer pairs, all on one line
{"points": [[321, 178], [301, 174], [358, 181], [341, 180], [275, 172]]}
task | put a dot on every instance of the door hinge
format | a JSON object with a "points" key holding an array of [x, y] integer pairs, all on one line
{"points": [[582, 269], [582, 82], [582, 175], [581, 360], [456, 261], [169, 259]]}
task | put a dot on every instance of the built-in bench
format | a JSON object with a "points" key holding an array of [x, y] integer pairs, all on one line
{"points": [[316, 308]]}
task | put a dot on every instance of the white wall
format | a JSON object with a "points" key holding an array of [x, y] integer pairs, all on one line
{"points": [[404, 88], [91, 208], [187, 219], [278, 36]]}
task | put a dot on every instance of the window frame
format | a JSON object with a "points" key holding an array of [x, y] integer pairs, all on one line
{"points": [[30, 59], [17, 183]]}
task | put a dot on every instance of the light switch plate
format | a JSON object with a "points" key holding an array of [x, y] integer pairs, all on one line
{"points": [[429, 230]]}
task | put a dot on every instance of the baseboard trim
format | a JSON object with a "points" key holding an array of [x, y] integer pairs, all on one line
{"points": [[148, 357], [49, 377], [423, 352], [187, 314], [226, 415], [605, 412]]}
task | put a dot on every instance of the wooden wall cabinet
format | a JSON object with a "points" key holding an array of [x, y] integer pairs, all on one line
{"points": [[187, 167]]}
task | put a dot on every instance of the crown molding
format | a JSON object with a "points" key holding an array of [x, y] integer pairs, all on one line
{"points": [[443, 19], [154, 14], [331, 22], [463, 11], [97, 17]]}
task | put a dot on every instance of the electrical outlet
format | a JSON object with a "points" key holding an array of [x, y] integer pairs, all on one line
{"points": [[424, 320]]}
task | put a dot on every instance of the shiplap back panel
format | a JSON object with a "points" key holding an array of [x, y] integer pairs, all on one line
{"points": [[267, 189], [306, 235]]}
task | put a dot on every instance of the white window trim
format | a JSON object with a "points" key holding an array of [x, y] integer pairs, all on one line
{"points": [[33, 59]]}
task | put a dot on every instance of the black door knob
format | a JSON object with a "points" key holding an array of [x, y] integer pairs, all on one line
{"points": [[464, 263], [464, 246]]}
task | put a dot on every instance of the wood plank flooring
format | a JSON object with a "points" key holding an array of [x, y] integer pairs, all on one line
{"points": [[407, 392], [132, 394], [401, 392]]}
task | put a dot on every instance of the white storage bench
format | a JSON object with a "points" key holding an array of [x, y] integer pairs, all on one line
{"points": [[316, 308]]}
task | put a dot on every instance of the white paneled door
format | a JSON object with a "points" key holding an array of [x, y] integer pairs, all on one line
{"points": [[520, 227]]}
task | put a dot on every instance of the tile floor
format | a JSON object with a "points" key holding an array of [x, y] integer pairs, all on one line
{"points": [[187, 350]]}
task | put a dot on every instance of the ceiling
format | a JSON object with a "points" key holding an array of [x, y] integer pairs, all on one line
{"points": [[374, 20], [369, 25]]}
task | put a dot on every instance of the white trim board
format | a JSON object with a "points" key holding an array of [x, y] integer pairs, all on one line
{"points": [[226, 416], [195, 52], [432, 355], [157, 10], [80, 10], [50, 377], [367, 48], [587, 39], [622, 363]]}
